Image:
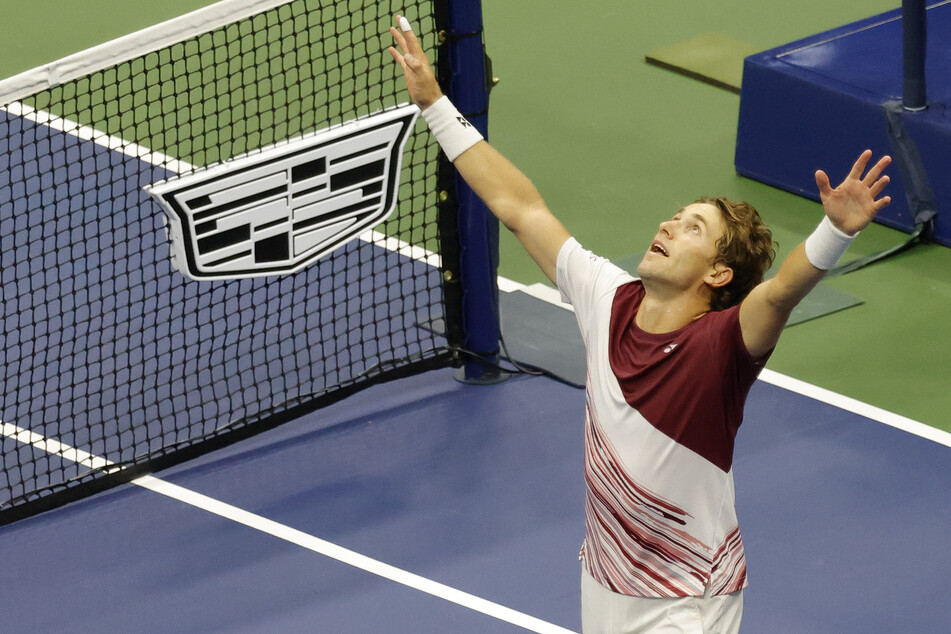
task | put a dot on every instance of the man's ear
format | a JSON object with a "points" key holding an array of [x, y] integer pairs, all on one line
{"points": [[719, 277]]}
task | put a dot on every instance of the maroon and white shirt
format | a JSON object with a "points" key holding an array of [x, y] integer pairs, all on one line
{"points": [[662, 411]]}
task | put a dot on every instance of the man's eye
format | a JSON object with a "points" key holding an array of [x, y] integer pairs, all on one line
{"points": [[695, 229]]}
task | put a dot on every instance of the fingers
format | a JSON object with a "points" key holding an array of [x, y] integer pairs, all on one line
{"points": [[400, 42], [873, 180], [860, 164], [405, 37], [822, 181], [878, 186], [408, 62], [398, 57], [859, 168], [420, 81], [877, 170], [409, 55], [876, 182]]}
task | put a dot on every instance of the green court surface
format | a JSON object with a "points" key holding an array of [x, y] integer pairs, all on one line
{"points": [[616, 145]]}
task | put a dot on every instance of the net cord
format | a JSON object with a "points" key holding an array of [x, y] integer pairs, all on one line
{"points": [[131, 46]]}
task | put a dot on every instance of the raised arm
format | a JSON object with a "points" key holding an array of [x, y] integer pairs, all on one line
{"points": [[849, 208], [507, 192]]}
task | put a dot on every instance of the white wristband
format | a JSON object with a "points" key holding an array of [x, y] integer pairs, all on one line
{"points": [[454, 134], [826, 245]]}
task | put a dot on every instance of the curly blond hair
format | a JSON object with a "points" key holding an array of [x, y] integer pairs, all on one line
{"points": [[746, 247]]}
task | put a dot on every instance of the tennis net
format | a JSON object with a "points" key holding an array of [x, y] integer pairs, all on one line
{"points": [[115, 362]]}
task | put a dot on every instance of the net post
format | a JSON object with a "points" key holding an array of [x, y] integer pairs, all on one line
{"points": [[465, 84], [914, 43]]}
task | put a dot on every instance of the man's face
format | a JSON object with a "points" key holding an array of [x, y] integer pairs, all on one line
{"points": [[682, 253]]}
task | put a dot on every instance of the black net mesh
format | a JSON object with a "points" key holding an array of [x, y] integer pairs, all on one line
{"points": [[108, 349]]}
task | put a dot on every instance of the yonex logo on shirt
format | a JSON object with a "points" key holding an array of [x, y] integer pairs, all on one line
{"points": [[670, 348]]}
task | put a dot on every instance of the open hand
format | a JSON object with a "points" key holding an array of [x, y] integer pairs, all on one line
{"points": [[853, 204], [420, 79]]}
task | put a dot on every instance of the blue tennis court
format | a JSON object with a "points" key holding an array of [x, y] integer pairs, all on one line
{"points": [[418, 504], [480, 489]]}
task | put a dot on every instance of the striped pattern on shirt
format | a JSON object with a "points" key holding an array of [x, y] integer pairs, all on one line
{"points": [[662, 411]]}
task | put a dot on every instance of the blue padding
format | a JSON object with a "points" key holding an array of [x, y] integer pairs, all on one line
{"points": [[818, 102]]}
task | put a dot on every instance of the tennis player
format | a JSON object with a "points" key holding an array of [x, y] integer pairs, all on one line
{"points": [[671, 357]]}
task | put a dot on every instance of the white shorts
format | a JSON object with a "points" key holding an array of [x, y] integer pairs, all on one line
{"points": [[607, 612]]}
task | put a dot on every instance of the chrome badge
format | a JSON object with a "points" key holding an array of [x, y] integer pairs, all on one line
{"points": [[277, 210]]}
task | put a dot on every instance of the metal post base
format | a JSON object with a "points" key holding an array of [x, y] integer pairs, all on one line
{"points": [[488, 377]]}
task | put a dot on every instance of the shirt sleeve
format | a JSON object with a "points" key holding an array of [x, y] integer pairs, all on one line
{"points": [[584, 278], [728, 338]]}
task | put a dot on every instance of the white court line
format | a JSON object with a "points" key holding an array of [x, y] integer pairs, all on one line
{"points": [[54, 447], [86, 133], [346, 556], [405, 249], [856, 406], [291, 535]]}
